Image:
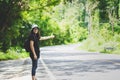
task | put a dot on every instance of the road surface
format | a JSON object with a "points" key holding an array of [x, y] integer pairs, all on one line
{"points": [[64, 62]]}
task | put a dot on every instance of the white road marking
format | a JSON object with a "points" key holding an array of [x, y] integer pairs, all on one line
{"points": [[50, 74]]}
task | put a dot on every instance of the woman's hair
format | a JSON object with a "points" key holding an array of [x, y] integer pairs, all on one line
{"points": [[38, 34]]}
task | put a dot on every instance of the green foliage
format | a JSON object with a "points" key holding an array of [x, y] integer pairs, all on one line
{"points": [[99, 41], [105, 32], [13, 53], [68, 20], [55, 20], [117, 28], [93, 43], [15, 14], [10, 21], [38, 13]]}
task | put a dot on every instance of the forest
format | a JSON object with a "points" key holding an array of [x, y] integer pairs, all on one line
{"points": [[94, 23]]}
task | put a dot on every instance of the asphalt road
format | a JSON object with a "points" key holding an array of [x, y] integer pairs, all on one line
{"points": [[64, 62]]}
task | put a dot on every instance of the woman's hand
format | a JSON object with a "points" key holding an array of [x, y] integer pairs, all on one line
{"points": [[47, 37], [52, 36], [35, 57]]}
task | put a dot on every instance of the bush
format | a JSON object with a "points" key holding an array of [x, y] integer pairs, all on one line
{"points": [[13, 53], [99, 41]]}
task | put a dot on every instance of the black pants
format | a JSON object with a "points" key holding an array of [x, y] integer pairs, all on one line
{"points": [[34, 64]]}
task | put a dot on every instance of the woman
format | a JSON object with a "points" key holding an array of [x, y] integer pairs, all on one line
{"points": [[34, 47]]}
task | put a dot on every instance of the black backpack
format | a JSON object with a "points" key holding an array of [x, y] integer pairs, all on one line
{"points": [[27, 45]]}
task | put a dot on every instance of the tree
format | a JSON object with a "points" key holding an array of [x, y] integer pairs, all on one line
{"points": [[10, 15], [90, 8], [12, 19]]}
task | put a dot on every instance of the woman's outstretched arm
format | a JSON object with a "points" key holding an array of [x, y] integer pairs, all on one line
{"points": [[47, 37]]}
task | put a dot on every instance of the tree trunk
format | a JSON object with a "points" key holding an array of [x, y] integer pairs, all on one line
{"points": [[117, 9], [90, 7]]}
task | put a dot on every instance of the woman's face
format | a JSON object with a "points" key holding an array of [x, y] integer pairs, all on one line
{"points": [[35, 30]]}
